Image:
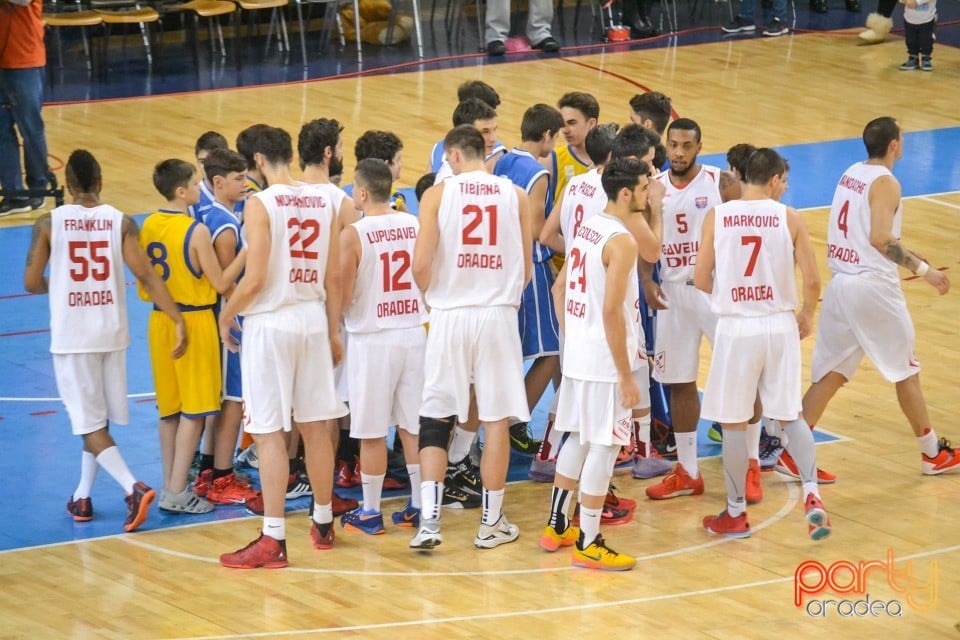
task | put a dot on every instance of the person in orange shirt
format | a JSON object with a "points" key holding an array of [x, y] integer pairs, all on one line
{"points": [[22, 58]]}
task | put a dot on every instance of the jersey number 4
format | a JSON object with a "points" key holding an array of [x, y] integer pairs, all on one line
{"points": [[90, 259], [842, 217], [471, 232]]}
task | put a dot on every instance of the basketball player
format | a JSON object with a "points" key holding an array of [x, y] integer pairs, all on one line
{"points": [[864, 311], [604, 377], [479, 90], [539, 332], [384, 314], [227, 171], [248, 145], [206, 143], [188, 389], [86, 244], [482, 116], [580, 112], [733, 181], [386, 146], [290, 299], [683, 313], [472, 260], [651, 110], [748, 254]]}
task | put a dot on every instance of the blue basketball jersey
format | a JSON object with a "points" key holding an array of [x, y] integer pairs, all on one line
{"points": [[523, 170], [200, 210]]}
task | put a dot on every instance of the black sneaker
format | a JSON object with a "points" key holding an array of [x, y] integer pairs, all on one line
{"points": [[818, 6], [853, 6], [912, 64], [456, 498], [496, 48], [464, 475], [521, 440], [776, 28], [17, 205], [739, 25], [926, 63], [548, 45]]}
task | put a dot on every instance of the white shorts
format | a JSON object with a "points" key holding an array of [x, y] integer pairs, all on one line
{"points": [[340, 376], [864, 315], [593, 409], [677, 333], [478, 346], [287, 367], [386, 381], [93, 387], [751, 356]]}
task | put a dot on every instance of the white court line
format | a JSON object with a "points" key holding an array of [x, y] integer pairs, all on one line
{"points": [[511, 614], [793, 496], [131, 396], [940, 202]]}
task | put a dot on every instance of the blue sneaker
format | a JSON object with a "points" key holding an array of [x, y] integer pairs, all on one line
{"points": [[408, 518], [363, 522], [716, 432]]}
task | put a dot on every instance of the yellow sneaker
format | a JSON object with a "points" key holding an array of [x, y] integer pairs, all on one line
{"points": [[551, 540], [599, 556]]}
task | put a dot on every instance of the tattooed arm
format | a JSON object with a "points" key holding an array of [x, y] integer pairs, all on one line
{"points": [[37, 256], [884, 201]]}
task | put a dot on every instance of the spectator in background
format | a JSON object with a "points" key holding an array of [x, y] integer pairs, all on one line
{"points": [[743, 23], [919, 19], [539, 19], [22, 58], [636, 15]]}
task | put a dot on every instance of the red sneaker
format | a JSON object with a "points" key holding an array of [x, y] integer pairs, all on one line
{"points": [[618, 502], [609, 516], [255, 504], [344, 477], [390, 483], [263, 552], [946, 459], [676, 483], [787, 466], [817, 519], [81, 509], [138, 504], [342, 505], [201, 484], [320, 541], [754, 492], [726, 525], [227, 490]]}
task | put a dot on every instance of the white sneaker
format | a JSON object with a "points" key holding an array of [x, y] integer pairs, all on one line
{"points": [[428, 536], [490, 537], [248, 458]]}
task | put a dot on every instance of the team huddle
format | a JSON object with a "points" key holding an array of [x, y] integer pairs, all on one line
{"points": [[601, 270]]}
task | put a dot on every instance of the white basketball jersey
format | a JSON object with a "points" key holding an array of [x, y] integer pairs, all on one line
{"points": [[683, 211], [300, 234], [88, 298], [848, 231], [754, 272], [586, 354], [385, 295], [479, 257], [335, 193], [583, 197]]}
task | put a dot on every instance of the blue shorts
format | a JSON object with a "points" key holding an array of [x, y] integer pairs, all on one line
{"points": [[232, 382], [539, 331]]}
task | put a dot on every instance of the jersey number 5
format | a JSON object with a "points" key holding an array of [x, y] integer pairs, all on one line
{"points": [[756, 241], [90, 260], [471, 234]]}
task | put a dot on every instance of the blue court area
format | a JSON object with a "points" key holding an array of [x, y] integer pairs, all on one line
{"points": [[42, 458]]}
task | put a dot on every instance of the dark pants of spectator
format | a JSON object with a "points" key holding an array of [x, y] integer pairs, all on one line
{"points": [[919, 38]]}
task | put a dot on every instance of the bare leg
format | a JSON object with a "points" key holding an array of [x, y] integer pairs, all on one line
{"points": [[496, 455], [168, 439], [684, 407], [272, 449], [227, 428], [914, 407], [187, 439], [319, 455], [819, 394]]}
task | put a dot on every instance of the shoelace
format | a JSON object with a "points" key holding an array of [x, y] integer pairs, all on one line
{"points": [[768, 445]]}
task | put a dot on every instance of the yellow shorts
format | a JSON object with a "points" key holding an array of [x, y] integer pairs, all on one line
{"points": [[190, 385]]}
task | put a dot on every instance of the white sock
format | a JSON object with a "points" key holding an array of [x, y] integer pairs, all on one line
{"points": [[811, 487], [928, 443], [372, 490], [687, 452], [492, 506], [88, 473], [753, 440], [322, 513], [641, 427], [414, 471], [589, 524], [460, 446], [112, 462], [275, 528], [431, 497]]}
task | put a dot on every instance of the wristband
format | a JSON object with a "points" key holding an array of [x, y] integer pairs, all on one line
{"points": [[922, 269]]}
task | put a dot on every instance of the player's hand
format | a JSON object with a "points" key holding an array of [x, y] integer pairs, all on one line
{"points": [[336, 350], [654, 295], [938, 279], [804, 323], [181, 347], [227, 325], [629, 392], [655, 192]]}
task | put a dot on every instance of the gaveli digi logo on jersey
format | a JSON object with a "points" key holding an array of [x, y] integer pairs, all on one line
{"points": [[814, 583]]}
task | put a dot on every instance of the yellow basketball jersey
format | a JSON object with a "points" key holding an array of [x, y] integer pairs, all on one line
{"points": [[165, 237], [565, 166]]}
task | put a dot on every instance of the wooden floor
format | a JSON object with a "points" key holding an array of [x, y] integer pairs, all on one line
{"points": [[167, 584]]}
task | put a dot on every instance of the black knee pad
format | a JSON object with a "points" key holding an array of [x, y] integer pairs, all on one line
{"points": [[435, 432]]}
